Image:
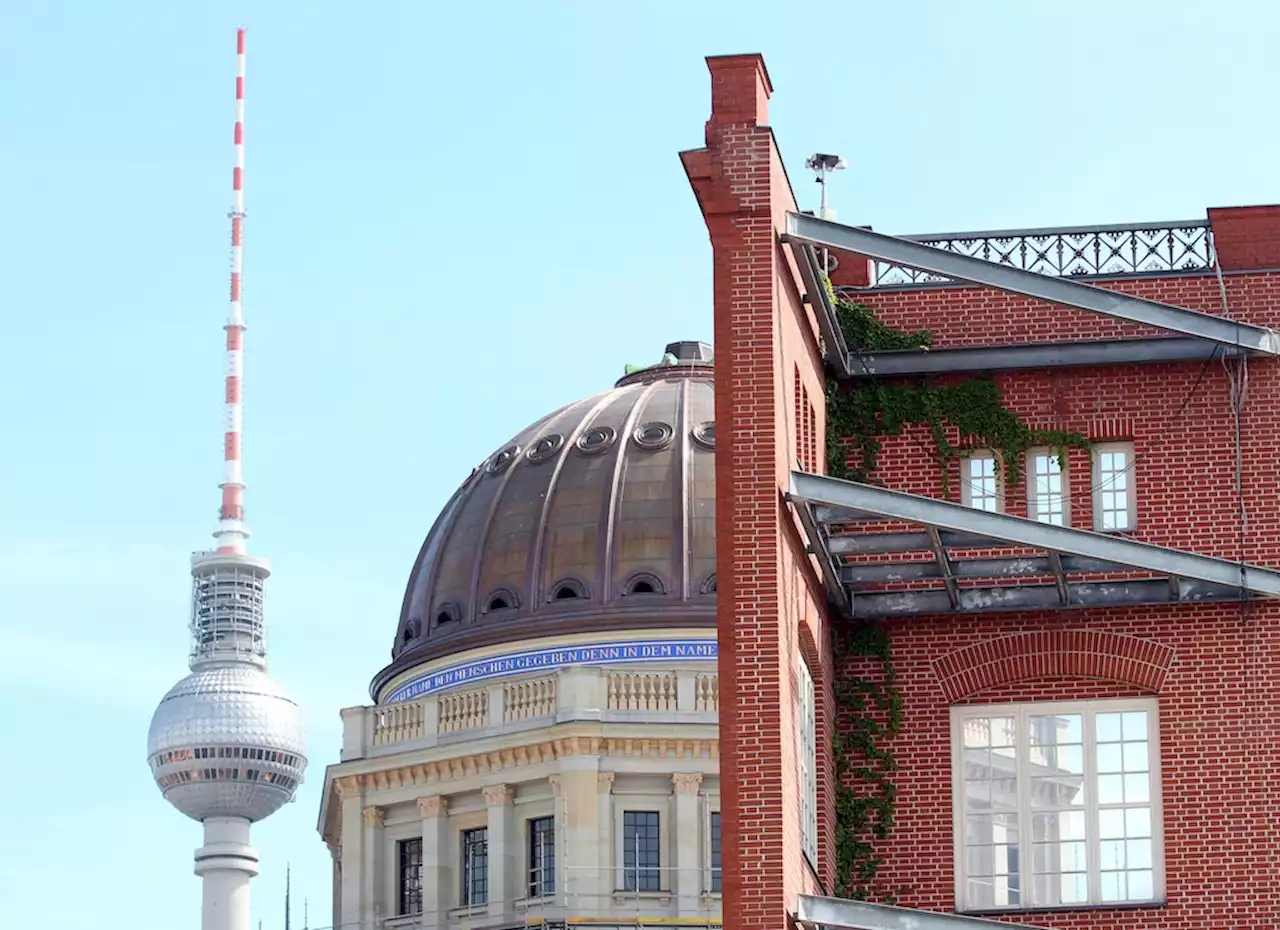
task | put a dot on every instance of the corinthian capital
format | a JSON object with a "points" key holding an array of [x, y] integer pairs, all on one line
{"points": [[687, 782], [433, 806], [373, 816], [498, 795]]}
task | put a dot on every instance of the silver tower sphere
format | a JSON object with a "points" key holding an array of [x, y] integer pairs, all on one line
{"points": [[227, 741]]}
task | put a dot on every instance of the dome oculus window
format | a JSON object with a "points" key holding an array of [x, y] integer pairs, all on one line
{"points": [[644, 583], [411, 630], [502, 461], [545, 448], [596, 440], [653, 436], [568, 590], [502, 599], [709, 586], [450, 613], [704, 434]]}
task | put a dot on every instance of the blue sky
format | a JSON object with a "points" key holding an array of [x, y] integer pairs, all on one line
{"points": [[460, 217]]}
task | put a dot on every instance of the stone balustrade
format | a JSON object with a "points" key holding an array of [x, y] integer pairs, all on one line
{"points": [[649, 694]]}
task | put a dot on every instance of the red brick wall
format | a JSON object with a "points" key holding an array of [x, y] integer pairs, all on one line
{"points": [[768, 372], [1216, 669]]}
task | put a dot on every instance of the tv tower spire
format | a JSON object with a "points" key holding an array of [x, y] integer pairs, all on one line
{"points": [[227, 745], [231, 533]]}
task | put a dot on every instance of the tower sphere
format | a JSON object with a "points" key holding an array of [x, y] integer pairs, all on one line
{"points": [[227, 741]]}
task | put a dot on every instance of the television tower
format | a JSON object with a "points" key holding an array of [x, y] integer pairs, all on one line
{"points": [[227, 745]]}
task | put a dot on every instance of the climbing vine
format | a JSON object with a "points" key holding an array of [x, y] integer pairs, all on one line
{"points": [[869, 704], [868, 714], [861, 415]]}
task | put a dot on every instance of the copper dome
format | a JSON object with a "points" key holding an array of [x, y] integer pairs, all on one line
{"points": [[600, 516]]}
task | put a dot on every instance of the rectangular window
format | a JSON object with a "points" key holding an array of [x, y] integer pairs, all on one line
{"points": [[542, 857], [980, 482], [1058, 804], [1046, 487], [807, 751], [475, 866], [410, 874], [1114, 501], [713, 840], [641, 851]]}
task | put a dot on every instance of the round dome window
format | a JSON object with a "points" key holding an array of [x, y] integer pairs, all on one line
{"points": [[653, 436], [596, 440]]}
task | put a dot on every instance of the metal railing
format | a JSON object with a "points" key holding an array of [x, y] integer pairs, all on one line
{"points": [[1180, 246]]}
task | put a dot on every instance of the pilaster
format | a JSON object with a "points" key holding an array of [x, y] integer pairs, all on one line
{"points": [[687, 835], [437, 876], [502, 844], [352, 848], [373, 871]]}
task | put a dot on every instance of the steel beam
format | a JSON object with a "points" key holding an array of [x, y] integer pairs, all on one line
{"points": [[909, 362], [1062, 291], [820, 549], [1019, 531], [814, 912], [834, 347], [882, 605], [877, 543], [860, 573]]}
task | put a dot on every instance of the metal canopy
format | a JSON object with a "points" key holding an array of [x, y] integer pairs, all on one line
{"points": [[1065, 567], [815, 912], [1063, 291], [906, 362]]}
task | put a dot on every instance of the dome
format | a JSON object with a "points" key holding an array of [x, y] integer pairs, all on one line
{"points": [[227, 741], [599, 516]]}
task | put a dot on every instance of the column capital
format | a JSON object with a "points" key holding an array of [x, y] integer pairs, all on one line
{"points": [[604, 782], [498, 795], [687, 782], [434, 806], [374, 816]]}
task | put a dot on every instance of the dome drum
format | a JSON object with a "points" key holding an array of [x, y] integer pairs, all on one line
{"points": [[600, 516]]}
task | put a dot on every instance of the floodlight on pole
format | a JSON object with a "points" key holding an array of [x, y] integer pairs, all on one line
{"points": [[822, 164]]}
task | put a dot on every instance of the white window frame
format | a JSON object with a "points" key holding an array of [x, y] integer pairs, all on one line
{"points": [[966, 480], [1033, 495], [1020, 712], [807, 760], [1102, 484]]}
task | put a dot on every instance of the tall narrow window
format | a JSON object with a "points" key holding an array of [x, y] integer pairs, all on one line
{"points": [[542, 857], [980, 482], [807, 753], [641, 851], [410, 877], [713, 840], [1046, 487], [1059, 804], [1114, 500], [475, 866]]}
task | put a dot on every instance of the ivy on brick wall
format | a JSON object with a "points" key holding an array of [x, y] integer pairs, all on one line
{"points": [[868, 714], [861, 415], [869, 704]]}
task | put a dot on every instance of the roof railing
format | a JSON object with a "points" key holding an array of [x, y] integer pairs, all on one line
{"points": [[1123, 250]]}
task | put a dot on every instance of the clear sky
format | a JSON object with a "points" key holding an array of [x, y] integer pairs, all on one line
{"points": [[460, 217]]}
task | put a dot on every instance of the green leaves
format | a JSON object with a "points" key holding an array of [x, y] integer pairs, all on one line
{"points": [[860, 415]]}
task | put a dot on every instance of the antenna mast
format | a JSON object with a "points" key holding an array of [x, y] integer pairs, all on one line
{"points": [[231, 533]]}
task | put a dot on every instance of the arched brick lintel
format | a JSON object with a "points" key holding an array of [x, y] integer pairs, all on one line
{"points": [[1054, 654]]}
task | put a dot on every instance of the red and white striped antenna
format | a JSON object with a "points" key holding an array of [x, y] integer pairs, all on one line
{"points": [[231, 533]]}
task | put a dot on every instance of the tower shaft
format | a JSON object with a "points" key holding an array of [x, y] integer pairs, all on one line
{"points": [[225, 863]]}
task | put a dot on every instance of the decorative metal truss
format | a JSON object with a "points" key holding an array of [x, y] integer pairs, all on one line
{"points": [[1194, 335], [938, 557], [814, 913], [1076, 251]]}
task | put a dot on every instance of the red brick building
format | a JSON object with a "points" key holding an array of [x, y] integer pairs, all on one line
{"points": [[1051, 605]]}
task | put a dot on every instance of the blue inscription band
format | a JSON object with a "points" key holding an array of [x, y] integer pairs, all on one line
{"points": [[680, 650]]}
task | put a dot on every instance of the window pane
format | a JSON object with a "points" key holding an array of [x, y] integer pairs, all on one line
{"points": [[980, 488], [1048, 503], [1048, 765], [641, 859], [716, 872], [1113, 501], [475, 866], [542, 857], [410, 877]]}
